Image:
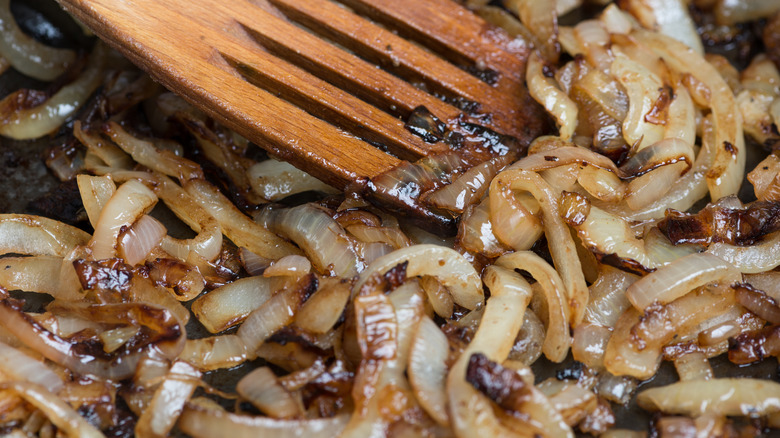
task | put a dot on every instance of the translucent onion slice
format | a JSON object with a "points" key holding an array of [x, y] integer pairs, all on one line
{"points": [[261, 388], [37, 235], [43, 274], [642, 87], [723, 396], [253, 263], [107, 151], [200, 422], [137, 241], [541, 18], [325, 307], [59, 412], [274, 180], [322, 239], [168, 401], [513, 218], [726, 174], [557, 340], [589, 343], [447, 265], [47, 117], [652, 186], [149, 155], [622, 358], [17, 365], [669, 17], [676, 279], [608, 296], [214, 352], [289, 266], [95, 193], [26, 54], [230, 304], [618, 389], [131, 200], [681, 123], [468, 188], [427, 369], [594, 40], [545, 91], [761, 257], [693, 366], [475, 231], [239, 228], [561, 243]]}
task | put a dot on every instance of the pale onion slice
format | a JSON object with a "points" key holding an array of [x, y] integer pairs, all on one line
{"points": [[608, 296], [761, 257], [652, 186], [16, 365], [438, 297], [275, 313], [137, 241], [95, 192], [615, 20], [321, 238], [214, 352], [681, 123], [26, 54], [557, 340], [601, 184], [239, 228], [59, 412], [723, 396], [693, 366], [545, 91], [253, 263], [450, 267], [589, 343], [274, 180], [733, 12], [323, 310], [230, 304], [618, 389], [200, 422], [115, 338], [541, 18], [149, 155], [594, 40], [471, 414], [622, 358], [108, 152], [726, 174], [37, 235], [669, 17], [560, 240], [427, 369], [40, 120], [676, 279], [475, 231], [131, 200], [469, 187], [168, 401], [43, 274], [289, 266], [261, 388], [513, 218], [642, 87]]}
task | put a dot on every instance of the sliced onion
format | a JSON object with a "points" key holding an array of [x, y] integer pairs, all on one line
{"points": [[95, 193], [325, 307], [215, 352], [618, 389], [680, 277], [60, 413], [622, 358], [468, 188], [200, 422], [528, 343], [43, 274], [561, 243], [253, 263], [239, 228], [149, 155], [428, 369], [108, 152], [289, 266], [137, 241], [46, 117], [761, 257], [608, 296], [475, 231], [513, 218], [323, 240], [261, 388], [36, 235], [541, 18], [447, 265], [557, 340], [131, 200], [275, 180], [589, 343], [667, 17], [731, 12], [546, 92], [594, 40], [693, 366], [229, 305], [759, 303], [724, 396], [26, 54], [168, 402], [17, 365], [115, 338], [652, 186], [275, 313], [642, 87]]}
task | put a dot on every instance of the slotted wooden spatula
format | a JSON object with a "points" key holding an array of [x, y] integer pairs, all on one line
{"points": [[326, 85]]}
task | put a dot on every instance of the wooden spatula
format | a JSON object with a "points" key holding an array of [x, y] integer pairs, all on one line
{"points": [[321, 84]]}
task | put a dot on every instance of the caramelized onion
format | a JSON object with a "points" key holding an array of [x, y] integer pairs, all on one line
{"points": [[261, 388], [725, 396], [275, 180], [168, 401], [546, 92], [215, 352]]}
